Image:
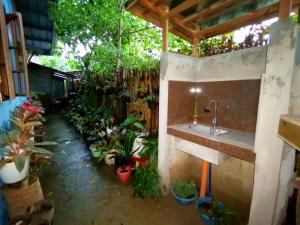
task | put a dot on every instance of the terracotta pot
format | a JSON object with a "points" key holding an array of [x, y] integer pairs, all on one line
{"points": [[9, 173], [124, 173]]}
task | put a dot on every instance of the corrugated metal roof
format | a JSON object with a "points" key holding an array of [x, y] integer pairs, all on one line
{"points": [[38, 28]]}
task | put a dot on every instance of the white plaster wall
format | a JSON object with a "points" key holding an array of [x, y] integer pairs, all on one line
{"points": [[274, 101], [238, 65], [172, 67], [177, 67], [286, 180], [244, 64]]}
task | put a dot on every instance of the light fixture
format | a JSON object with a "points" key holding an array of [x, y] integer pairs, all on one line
{"points": [[195, 90], [198, 90]]}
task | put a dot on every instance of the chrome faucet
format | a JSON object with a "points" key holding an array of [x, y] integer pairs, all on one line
{"points": [[214, 120]]}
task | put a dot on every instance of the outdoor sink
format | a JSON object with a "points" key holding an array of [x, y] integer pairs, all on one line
{"points": [[206, 130]]}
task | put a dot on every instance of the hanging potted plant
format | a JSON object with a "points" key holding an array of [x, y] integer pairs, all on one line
{"points": [[126, 95], [185, 193], [142, 92], [151, 101]]}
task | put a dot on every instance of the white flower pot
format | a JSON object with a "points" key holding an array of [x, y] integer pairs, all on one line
{"points": [[9, 173], [138, 146], [109, 158]]}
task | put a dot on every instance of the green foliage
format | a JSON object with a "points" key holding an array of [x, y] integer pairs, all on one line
{"points": [[56, 62], [123, 143], [219, 213], [132, 122], [110, 35], [185, 190], [150, 98], [146, 181], [37, 94], [20, 163]]}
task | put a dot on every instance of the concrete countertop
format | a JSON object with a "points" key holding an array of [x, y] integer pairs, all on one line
{"points": [[235, 143]]}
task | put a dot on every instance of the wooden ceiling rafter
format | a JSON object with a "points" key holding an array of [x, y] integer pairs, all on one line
{"points": [[131, 4], [182, 7], [163, 14], [190, 27], [158, 22], [156, 3], [212, 9], [248, 19], [222, 11]]}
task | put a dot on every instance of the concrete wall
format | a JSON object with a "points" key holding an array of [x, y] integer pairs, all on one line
{"points": [[278, 68], [274, 160], [245, 64], [232, 180]]}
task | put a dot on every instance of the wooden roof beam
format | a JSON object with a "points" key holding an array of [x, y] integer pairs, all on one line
{"points": [[250, 18], [224, 10], [182, 7], [155, 3], [211, 10], [131, 4], [158, 23], [164, 14]]}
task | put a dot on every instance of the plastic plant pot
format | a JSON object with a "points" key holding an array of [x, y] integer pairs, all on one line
{"points": [[184, 201], [124, 173], [140, 161], [206, 201], [9, 173]]}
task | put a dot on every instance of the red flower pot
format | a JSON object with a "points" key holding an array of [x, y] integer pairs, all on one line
{"points": [[142, 161], [124, 173]]}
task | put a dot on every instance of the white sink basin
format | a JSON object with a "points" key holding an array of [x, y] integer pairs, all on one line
{"points": [[206, 130]]}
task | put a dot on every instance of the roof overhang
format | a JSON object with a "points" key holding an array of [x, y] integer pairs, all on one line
{"points": [[203, 19], [38, 28]]}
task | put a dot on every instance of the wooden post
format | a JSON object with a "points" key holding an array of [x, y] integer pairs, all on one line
{"points": [[165, 32], [285, 7], [9, 82], [195, 52], [23, 52]]}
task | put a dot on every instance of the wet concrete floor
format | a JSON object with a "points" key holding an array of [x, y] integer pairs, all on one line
{"points": [[87, 193]]}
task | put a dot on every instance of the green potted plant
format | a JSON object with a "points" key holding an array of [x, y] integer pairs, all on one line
{"points": [[146, 181], [214, 212], [185, 193], [126, 95], [18, 144], [123, 146], [142, 92], [122, 142], [151, 101]]}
